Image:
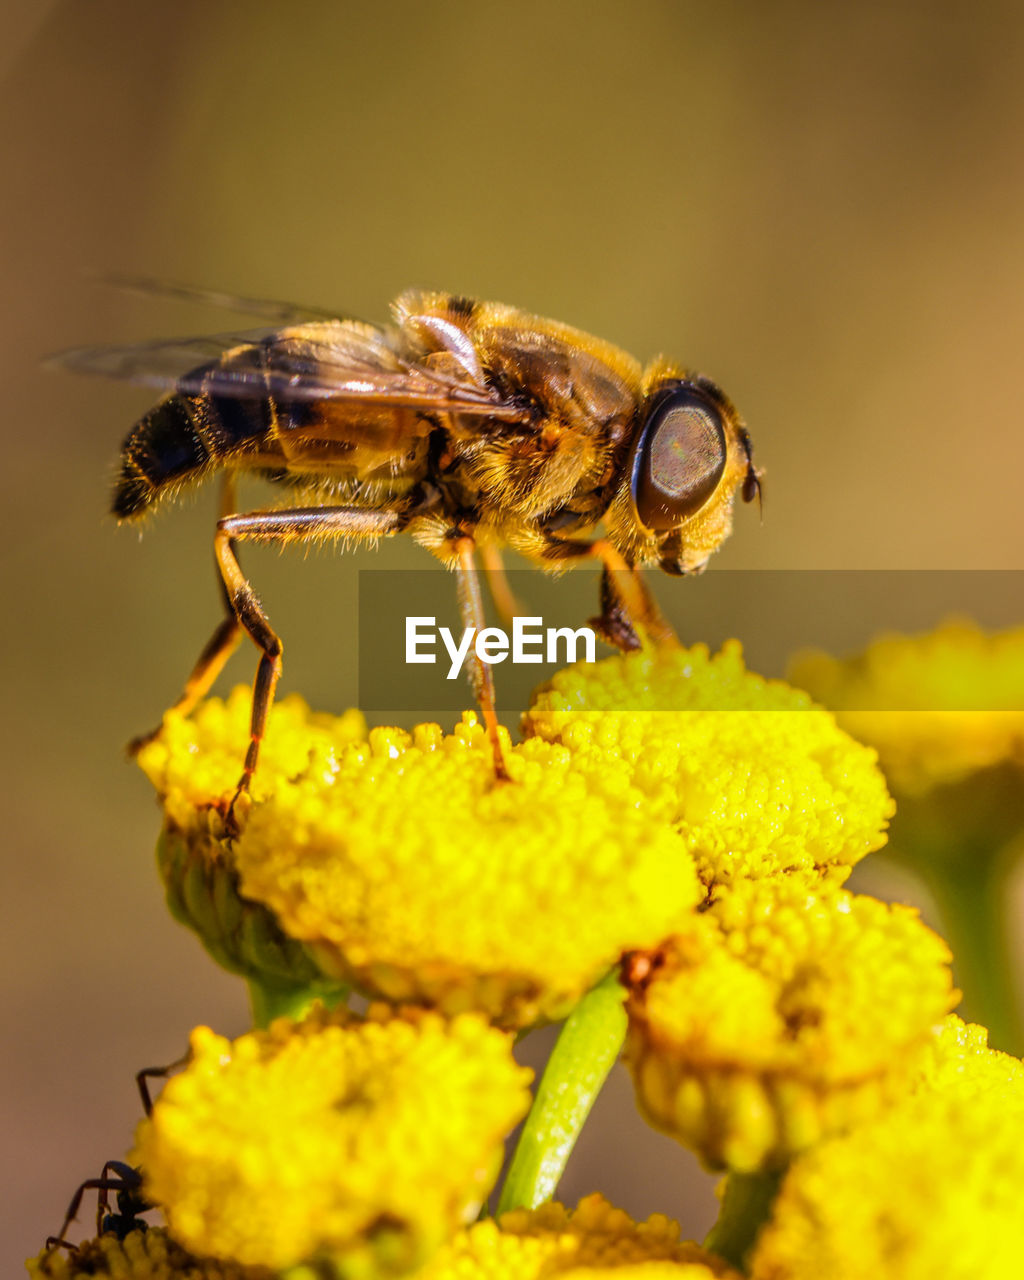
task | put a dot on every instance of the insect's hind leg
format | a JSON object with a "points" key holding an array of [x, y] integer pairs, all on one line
{"points": [[294, 524], [208, 667], [220, 646]]}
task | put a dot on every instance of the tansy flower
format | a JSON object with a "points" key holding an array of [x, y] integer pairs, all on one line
{"points": [[757, 779], [946, 713], [956, 1059], [931, 1188], [593, 1241], [141, 1255], [937, 707], [400, 863], [781, 1014], [369, 1141], [194, 764]]}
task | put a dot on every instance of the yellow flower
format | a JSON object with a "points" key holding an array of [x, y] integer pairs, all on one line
{"points": [[369, 1141], [141, 1255], [938, 707], [591, 1242], [194, 764], [758, 780], [957, 1059], [196, 761], [946, 713], [402, 864], [932, 1188], [783, 1013]]}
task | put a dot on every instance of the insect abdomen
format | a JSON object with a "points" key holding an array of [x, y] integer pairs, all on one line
{"points": [[179, 440]]}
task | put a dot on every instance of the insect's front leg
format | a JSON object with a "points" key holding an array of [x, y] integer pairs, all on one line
{"points": [[629, 616], [613, 624]]}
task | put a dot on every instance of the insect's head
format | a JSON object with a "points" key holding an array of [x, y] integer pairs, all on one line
{"points": [[688, 456]]}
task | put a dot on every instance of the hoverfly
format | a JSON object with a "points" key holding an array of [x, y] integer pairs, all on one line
{"points": [[469, 425]]}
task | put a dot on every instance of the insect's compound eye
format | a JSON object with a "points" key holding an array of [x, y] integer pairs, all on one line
{"points": [[679, 459]]}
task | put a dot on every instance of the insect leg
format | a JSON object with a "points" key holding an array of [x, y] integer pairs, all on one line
{"points": [[471, 606], [629, 614], [208, 667], [295, 524], [53, 1242], [220, 646], [104, 1184], [143, 1077], [625, 585], [505, 600]]}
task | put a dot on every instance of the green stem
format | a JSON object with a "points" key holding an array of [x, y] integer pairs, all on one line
{"points": [[270, 1002], [586, 1050], [972, 898], [746, 1205]]}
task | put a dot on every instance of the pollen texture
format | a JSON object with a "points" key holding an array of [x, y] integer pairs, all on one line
{"points": [[783, 1013], [757, 779], [937, 707], [930, 1188], [141, 1255], [592, 1241], [403, 864], [366, 1141]]}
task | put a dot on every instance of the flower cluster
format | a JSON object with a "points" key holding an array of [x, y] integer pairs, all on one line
{"points": [[950, 1161], [664, 867], [938, 707], [333, 1136], [945, 711], [393, 861], [781, 1014], [759, 780]]}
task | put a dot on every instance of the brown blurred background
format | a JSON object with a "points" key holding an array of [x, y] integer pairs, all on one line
{"points": [[821, 205]]}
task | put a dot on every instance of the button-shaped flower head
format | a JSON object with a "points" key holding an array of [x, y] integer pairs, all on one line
{"points": [[931, 1188], [784, 1012], [369, 1142], [402, 864], [142, 1255], [937, 707], [592, 1242], [757, 779]]}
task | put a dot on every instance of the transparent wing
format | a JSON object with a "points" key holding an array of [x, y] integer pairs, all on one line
{"points": [[273, 310], [325, 360], [162, 364]]}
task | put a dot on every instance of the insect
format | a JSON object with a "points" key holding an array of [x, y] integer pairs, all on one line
{"points": [[119, 1178], [471, 426]]}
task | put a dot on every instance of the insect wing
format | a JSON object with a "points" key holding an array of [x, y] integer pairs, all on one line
{"points": [[332, 360], [270, 309], [162, 364]]}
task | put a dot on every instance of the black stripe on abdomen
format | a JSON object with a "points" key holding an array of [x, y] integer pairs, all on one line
{"points": [[162, 447], [231, 421]]}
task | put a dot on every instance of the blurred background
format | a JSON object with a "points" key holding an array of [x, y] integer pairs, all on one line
{"points": [[820, 205]]}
